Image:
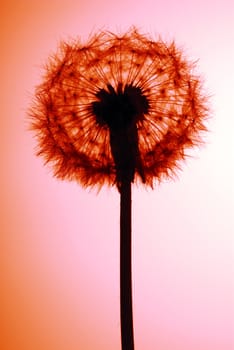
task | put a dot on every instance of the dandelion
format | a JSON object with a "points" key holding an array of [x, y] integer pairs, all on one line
{"points": [[120, 109]]}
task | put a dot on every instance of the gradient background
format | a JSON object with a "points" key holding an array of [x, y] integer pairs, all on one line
{"points": [[60, 244]]}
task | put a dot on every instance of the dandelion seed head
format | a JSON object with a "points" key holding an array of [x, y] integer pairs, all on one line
{"points": [[120, 106]]}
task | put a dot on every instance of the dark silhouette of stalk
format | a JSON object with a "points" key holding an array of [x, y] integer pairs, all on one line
{"points": [[119, 110], [127, 336]]}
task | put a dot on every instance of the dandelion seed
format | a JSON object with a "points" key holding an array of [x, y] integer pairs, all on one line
{"points": [[92, 92]]}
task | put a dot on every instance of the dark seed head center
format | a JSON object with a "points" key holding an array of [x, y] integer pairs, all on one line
{"points": [[119, 109]]}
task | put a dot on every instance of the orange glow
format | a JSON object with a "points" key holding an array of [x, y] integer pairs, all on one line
{"points": [[59, 259], [69, 117]]}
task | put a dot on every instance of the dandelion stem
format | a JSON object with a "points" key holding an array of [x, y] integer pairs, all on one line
{"points": [[127, 336]]}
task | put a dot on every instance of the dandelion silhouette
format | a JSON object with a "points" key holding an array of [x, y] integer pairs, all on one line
{"points": [[120, 109]]}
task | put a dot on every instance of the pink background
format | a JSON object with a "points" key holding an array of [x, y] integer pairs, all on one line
{"points": [[60, 244]]}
